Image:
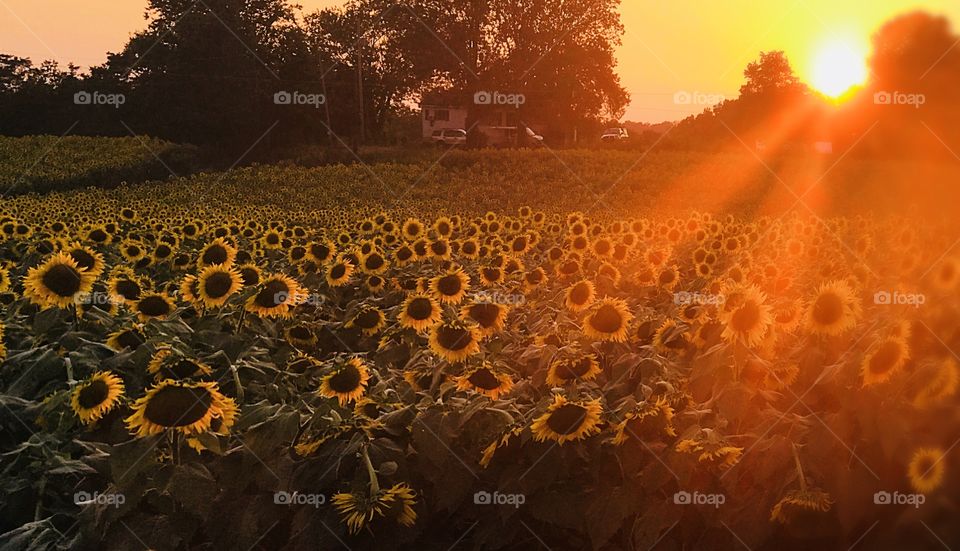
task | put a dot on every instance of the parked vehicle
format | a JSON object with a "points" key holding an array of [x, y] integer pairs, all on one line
{"points": [[449, 136], [614, 135]]}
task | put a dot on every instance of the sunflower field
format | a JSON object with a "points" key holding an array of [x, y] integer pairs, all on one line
{"points": [[45, 163], [269, 359]]}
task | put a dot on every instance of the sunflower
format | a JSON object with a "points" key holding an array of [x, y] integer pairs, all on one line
{"points": [[710, 449], [834, 310], [648, 420], [58, 282], [485, 380], [95, 397], [339, 273], [419, 312], [670, 336], [748, 318], [276, 296], [346, 382], [583, 367], [218, 251], [454, 341], [300, 336], [798, 503], [608, 320], [125, 287], [580, 296], [216, 283], [153, 306], [500, 442], [321, 252], [533, 279], [566, 421], [488, 316], [884, 361], [187, 407], [86, 259], [358, 510], [167, 364], [926, 469], [369, 319], [450, 287], [4, 279], [940, 384], [131, 337]]}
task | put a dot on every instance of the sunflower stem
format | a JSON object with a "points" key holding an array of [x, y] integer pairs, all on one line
{"points": [[38, 510], [243, 313], [374, 483], [796, 459], [236, 382], [175, 445]]}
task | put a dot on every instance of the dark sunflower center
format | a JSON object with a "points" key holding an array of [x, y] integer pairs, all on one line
{"points": [[607, 319], [320, 251], [182, 369], [273, 294], [535, 277], [580, 293], [128, 289], [747, 317], [218, 284], [484, 379], [567, 419], [84, 260], [367, 319], [338, 271], [98, 236], [374, 262], [574, 369], [93, 394], [453, 338], [153, 306], [62, 280], [469, 248], [828, 309], [438, 248], [273, 238], [300, 333], [371, 410], [449, 285], [177, 406], [485, 314], [215, 254], [130, 339], [345, 380], [404, 253], [885, 358], [249, 276], [163, 251], [420, 309], [491, 274]]}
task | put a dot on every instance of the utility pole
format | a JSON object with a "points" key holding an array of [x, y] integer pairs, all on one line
{"points": [[326, 102], [360, 83]]}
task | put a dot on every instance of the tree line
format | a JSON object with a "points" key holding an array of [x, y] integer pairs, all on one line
{"points": [[231, 73]]}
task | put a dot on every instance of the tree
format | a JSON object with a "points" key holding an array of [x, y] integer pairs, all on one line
{"points": [[771, 73]]}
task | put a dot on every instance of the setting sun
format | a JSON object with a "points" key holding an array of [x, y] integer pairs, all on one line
{"points": [[837, 67]]}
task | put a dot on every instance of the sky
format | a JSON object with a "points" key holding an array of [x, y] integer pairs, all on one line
{"points": [[677, 56]]}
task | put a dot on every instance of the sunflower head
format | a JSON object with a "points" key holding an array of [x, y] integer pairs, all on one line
{"points": [[58, 282], [454, 341], [346, 380], [95, 397], [608, 320], [187, 407], [485, 380], [565, 421]]}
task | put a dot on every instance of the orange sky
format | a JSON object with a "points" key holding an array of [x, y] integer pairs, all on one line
{"points": [[693, 46]]}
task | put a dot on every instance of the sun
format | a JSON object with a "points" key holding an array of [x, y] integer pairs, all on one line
{"points": [[837, 67]]}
